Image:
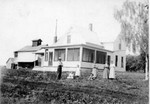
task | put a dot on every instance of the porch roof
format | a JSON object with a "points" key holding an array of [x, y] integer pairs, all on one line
{"points": [[90, 45]]}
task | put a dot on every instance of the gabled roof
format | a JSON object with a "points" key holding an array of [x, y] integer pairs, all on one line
{"points": [[78, 36], [30, 48], [12, 59]]}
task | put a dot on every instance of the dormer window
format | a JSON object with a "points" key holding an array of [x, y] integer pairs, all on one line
{"points": [[36, 42], [69, 39]]}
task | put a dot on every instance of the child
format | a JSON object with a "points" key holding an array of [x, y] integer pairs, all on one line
{"points": [[93, 75], [70, 76], [77, 72]]}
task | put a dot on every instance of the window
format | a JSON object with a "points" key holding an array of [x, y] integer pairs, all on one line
{"points": [[69, 39], [73, 54], [116, 60], [16, 54], [88, 55], [122, 62], [59, 53], [119, 46], [46, 55], [100, 57]]}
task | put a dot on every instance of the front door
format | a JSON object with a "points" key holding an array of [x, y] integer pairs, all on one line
{"points": [[50, 59]]}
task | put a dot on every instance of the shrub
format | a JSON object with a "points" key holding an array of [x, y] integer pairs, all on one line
{"points": [[135, 63]]}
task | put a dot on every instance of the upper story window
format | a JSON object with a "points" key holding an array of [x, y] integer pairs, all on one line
{"points": [[119, 46], [69, 39]]}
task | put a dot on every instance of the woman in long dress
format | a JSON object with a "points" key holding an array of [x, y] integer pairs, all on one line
{"points": [[106, 71], [112, 71]]}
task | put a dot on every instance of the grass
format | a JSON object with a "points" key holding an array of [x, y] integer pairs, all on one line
{"points": [[31, 87]]}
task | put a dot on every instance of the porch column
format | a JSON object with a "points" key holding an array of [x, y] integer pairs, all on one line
{"points": [[66, 54], [81, 52], [95, 57]]}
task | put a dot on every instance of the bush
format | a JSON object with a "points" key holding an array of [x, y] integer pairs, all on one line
{"points": [[135, 63]]}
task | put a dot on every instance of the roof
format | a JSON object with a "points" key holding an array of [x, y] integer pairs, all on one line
{"points": [[78, 36], [36, 40], [30, 48], [108, 45], [12, 59], [76, 45]]}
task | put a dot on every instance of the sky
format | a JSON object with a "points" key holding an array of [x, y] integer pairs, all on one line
{"points": [[21, 21]]}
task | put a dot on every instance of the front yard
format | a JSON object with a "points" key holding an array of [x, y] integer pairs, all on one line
{"points": [[31, 87]]}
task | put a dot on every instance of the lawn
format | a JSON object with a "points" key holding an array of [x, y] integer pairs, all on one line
{"points": [[32, 87]]}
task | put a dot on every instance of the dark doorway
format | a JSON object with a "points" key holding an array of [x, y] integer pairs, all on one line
{"points": [[108, 60], [50, 62]]}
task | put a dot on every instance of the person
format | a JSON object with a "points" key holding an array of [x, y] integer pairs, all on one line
{"points": [[93, 74], [70, 76], [106, 71], [77, 72], [112, 71], [59, 68]]}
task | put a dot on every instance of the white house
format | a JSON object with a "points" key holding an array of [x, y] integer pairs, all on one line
{"points": [[10, 63], [25, 57], [82, 47]]}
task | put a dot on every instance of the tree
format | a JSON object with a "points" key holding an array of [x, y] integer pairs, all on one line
{"points": [[134, 17]]}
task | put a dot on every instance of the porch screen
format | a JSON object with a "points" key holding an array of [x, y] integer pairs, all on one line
{"points": [[73, 54], [100, 57], [88, 55], [59, 53]]}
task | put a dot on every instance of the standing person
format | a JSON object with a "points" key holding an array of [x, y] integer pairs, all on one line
{"points": [[59, 68], [112, 71], [77, 72], [106, 71], [94, 72]]}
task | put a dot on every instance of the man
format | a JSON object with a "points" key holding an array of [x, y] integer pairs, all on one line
{"points": [[59, 68]]}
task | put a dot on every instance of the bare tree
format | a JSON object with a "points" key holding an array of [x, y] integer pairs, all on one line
{"points": [[134, 17]]}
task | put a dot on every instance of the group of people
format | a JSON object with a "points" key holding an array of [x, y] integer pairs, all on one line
{"points": [[108, 73]]}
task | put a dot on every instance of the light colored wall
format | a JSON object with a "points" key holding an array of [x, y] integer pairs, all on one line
{"points": [[25, 57], [8, 64], [120, 54]]}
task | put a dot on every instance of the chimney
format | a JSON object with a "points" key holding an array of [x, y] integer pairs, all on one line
{"points": [[91, 27], [55, 37]]}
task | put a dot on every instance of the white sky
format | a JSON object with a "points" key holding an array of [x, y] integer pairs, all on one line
{"points": [[24, 20]]}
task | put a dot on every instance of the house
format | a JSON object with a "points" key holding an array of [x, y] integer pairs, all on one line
{"points": [[25, 57], [10, 63], [82, 47], [118, 47]]}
